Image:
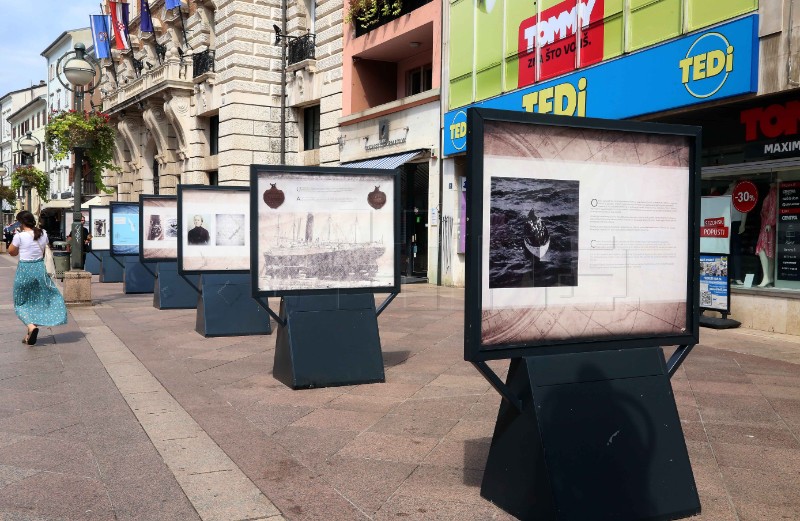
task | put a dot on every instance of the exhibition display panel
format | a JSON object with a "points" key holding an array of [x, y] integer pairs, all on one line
{"points": [[124, 228], [158, 225], [99, 226]]}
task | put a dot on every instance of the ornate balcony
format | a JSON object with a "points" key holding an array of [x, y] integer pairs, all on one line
{"points": [[301, 48], [202, 63], [171, 75]]}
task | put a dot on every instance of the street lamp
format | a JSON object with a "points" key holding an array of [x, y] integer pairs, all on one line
{"points": [[82, 74], [28, 144]]}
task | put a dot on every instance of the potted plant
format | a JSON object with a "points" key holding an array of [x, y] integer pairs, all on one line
{"points": [[31, 177], [90, 131], [368, 13], [8, 195]]}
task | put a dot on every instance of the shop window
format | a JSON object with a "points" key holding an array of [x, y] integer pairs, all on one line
{"points": [[311, 128], [213, 135], [419, 80]]}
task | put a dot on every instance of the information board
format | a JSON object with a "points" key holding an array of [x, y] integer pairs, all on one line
{"points": [[788, 261], [159, 228], [99, 227], [124, 228]]}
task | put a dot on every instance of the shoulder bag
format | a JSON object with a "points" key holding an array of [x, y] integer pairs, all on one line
{"points": [[49, 262]]}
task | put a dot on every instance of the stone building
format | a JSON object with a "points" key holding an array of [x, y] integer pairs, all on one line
{"points": [[198, 101]]}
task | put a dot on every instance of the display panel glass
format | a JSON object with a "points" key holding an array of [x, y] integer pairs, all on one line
{"points": [[159, 228], [100, 226], [124, 228], [320, 230], [213, 224], [580, 234]]}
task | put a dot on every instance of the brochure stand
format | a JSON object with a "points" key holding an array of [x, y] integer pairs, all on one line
{"points": [[92, 264], [226, 307], [328, 340], [138, 277], [111, 268], [590, 436], [173, 290]]}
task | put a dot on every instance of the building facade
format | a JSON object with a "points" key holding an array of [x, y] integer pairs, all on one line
{"points": [[727, 66], [29, 118]]}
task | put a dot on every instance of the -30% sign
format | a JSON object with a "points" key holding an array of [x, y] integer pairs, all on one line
{"points": [[744, 196]]}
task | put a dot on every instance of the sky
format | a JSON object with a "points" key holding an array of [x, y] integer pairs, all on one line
{"points": [[28, 27]]}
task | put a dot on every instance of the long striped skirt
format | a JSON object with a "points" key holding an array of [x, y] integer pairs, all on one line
{"points": [[36, 297]]}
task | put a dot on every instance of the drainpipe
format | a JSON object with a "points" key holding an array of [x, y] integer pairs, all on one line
{"points": [[283, 82]]}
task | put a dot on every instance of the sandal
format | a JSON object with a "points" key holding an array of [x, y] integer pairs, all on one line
{"points": [[32, 336]]}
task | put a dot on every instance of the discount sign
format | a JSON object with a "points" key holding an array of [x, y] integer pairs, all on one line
{"points": [[744, 196]]}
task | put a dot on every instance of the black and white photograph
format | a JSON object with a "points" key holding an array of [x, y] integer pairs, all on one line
{"points": [[230, 230], [214, 231], [99, 220], [330, 232], [197, 234], [159, 228], [533, 233]]}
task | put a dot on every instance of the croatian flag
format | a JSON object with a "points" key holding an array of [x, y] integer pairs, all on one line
{"points": [[172, 4], [146, 24], [101, 25], [119, 18]]}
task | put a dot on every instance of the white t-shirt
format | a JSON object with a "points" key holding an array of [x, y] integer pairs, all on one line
{"points": [[28, 248]]}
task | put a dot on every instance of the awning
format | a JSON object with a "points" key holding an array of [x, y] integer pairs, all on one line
{"points": [[386, 162], [57, 203], [97, 200]]}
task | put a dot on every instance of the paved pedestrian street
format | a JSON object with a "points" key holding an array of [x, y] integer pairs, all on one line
{"points": [[127, 413]]}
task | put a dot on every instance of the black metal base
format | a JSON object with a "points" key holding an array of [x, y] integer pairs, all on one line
{"points": [[226, 307], [92, 264], [598, 438], [719, 323], [112, 268], [138, 277], [173, 290], [328, 340]]}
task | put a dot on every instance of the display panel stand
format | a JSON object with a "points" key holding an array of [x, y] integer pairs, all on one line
{"points": [[592, 436], [719, 323], [328, 340], [138, 277], [92, 264], [173, 290], [226, 307], [111, 268]]}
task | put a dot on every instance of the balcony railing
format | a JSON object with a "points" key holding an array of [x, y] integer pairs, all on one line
{"points": [[301, 48], [171, 74], [202, 63], [381, 19]]}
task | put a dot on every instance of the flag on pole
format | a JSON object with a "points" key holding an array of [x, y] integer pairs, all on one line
{"points": [[119, 19], [146, 24], [101, 25], [172, 4]]}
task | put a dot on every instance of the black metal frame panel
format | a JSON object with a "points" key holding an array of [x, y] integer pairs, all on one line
{"points": [[118, 204], [181, 190], [108, 225], [256, 170], [142, 199], [474, 349]]}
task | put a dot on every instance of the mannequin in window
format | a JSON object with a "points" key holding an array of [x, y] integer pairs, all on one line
{"points": [[738, 221], [765, 248]]}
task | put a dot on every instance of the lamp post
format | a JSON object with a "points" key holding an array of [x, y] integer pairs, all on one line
{"points": [[28, 144], [81, 71]]}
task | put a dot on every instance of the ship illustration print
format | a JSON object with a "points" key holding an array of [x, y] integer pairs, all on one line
{"points": [[331, 256]]}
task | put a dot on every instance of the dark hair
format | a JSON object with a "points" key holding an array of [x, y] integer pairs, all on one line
{"points": [[26, 218]]}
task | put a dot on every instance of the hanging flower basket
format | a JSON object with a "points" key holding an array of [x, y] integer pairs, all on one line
{"points": [[89, 131], [368, 13], [8, 195], [34, 178]]}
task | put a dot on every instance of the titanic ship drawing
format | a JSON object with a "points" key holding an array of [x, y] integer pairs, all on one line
{"points": [[537, 239], [335, 254]]}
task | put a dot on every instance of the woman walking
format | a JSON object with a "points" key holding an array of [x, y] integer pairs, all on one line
{"points": [[37, 301]]}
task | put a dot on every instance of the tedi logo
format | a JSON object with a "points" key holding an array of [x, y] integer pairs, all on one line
{"points": [[458, 130], [708, 62]]}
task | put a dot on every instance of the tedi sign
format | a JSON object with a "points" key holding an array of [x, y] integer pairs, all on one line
{"points": [[707, 64]]}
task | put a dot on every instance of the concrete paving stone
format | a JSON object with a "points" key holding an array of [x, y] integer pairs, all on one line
{"points": [[700, 452], [413, 426], [198, 455], [709, 480], [32, 400], [311, 446], [39, 422], [461, 454], [406, 376], [437, 484], [715, 508], [42, 453], [310, 498], [421, 509], [467, 429], [359, 403], [389, 447], [39, 365], [450, 407], [778, 436], [226, 496], [744, 409], [435, 391], [762, 512], [736, 389], [11, 474], [271, 418], [366, 483], [694, 430], [33, 382], [780, 460], [335, 419], [762, 487], [58, 495]]}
